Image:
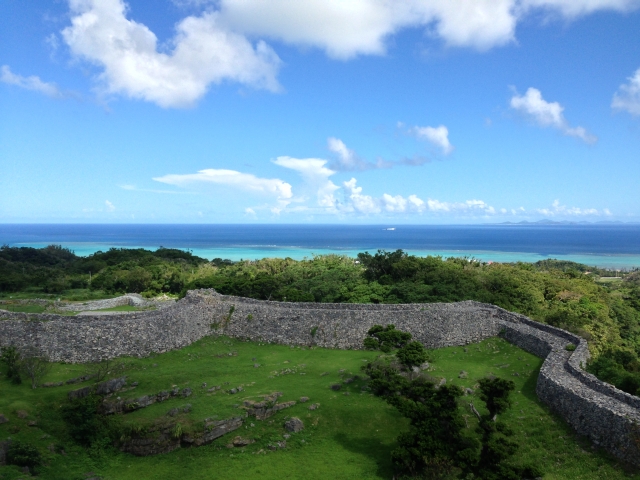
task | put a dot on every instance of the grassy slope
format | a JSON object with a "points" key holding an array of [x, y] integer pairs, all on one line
{"points": [[347, 437]]}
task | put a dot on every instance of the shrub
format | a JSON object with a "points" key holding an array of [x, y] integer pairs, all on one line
{"points": [[85, 425], [23, 454], [11, 357]]}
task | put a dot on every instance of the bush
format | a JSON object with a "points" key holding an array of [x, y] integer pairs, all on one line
{"points": [[84, 423], [23, 454], [11, 357]]}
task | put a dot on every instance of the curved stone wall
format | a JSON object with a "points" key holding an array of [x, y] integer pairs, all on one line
{"points": [[608, 416]]}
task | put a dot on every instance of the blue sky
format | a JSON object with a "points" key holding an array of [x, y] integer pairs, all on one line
{"points": [[360, 111]]}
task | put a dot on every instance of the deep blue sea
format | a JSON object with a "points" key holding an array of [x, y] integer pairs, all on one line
{"points": [[614, 246]]}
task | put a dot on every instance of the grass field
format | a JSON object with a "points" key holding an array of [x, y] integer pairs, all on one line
{"points": [[349, 436]]}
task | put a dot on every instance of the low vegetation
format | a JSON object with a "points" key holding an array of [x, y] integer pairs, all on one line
{"points": [[352, 433]]}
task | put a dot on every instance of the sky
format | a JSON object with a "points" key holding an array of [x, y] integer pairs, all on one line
{"points": [[319, 111]]}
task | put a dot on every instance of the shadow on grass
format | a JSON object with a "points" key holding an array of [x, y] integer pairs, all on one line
{"points": [[370, 447], [529, 387]]}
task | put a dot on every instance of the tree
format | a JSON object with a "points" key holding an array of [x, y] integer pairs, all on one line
{"points": [[412, 355], [11, 357], [438, 443], [386, 338], [34, 366]]}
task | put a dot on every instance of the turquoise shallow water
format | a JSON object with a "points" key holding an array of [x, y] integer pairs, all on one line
{"points": [[615, 261]]}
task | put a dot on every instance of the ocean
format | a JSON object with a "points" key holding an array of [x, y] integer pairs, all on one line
{"points": [[604, 245]]}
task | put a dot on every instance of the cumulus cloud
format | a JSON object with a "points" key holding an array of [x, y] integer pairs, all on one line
{"points": [[347, 159], [547, 114], [468, 207], [628, 95], [562, 210], [363, 27], [575, 8], [315, 174], [232, 178], [29, 83], [438, 136], [204, 52], [110, 206], [213, 46]]}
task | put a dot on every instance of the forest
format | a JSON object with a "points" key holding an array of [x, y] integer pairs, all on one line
{"points": [[581, 299]]}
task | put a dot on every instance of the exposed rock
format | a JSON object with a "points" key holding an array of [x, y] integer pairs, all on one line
{"points": [[314, 406], [22, 414], [162, 438], [186, 392], [173, 412], [3, 419], [266, 408], [336, 386], [294, 424], [304, 399], [110, 386], [463, 374], [241, 441], [52, 384]]}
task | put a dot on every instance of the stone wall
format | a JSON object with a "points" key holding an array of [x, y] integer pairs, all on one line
{"points": [[609, 417]]}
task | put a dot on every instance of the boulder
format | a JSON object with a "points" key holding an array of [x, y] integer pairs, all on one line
{"points": [[110, 386], [294, 424]]}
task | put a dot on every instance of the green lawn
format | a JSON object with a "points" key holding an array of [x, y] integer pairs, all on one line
{"points": [[349, 436], [15, 307]]}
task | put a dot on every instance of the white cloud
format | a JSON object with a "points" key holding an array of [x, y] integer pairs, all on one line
{"points": [[562, 210], [547, 114], [242, 181], [213, 46], [628, 95], [29, 83], [363, 27], [575, 8], [110, 206], [204, 52], [468, 207], [315, 173], [250, 211], [133, 188], [347, 158], [438, 136]]}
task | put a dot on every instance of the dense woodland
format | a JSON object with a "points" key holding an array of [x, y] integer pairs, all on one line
{"points": [[564, 294]]}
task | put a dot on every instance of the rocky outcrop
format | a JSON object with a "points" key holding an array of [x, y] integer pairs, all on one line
{"points": [[166, 437]]}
